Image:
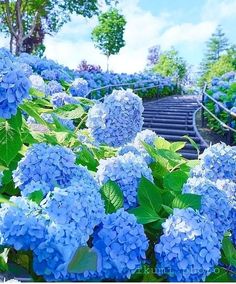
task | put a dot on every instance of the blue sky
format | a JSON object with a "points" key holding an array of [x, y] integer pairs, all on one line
{"points": [[184, 24]]}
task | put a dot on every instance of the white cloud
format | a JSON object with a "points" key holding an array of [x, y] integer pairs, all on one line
{"points": [[217, 10]]}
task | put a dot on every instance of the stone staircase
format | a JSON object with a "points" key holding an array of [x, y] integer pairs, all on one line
{"points": [[172, 118]]}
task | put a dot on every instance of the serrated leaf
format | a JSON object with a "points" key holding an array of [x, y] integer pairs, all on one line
{"points": [[36, 93], [30, 109], [112, 196], [10, 142], [175, 180], [193, 143], [83, 260], [36, 196], [176, 146], [145, 215], [70, 111], [149, 195], [168, 209], [16, 121], [229, 251], [85, 158], [187, 200], [220, 275]]}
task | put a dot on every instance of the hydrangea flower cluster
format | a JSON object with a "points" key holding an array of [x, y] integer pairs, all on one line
{"points": [[38, 83], [22, 226], [214, 203], [229, 188], [79, 205], [126, 171], [62, 98], [79, 88], [25, 68], [46, 164], [122, 244], [217, 162], [117, 120], [14, 88], [53, 87], [189, 248]]}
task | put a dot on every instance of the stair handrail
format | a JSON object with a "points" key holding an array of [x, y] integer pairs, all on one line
{"points": [[231, 114], [130, 84]]}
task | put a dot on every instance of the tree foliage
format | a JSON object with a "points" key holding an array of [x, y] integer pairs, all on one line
{"points": [[27, 21], [108, 35], [170, 63]]}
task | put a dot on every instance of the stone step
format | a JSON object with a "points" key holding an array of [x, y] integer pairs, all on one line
{"points": [[183, 126], [176, 132], [168, 120]]}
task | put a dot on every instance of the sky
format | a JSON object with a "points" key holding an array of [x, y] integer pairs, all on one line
{"points": [[184, 24]]}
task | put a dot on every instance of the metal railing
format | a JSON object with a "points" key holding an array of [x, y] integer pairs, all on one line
{"points": [[111, 87], [225, 126]]}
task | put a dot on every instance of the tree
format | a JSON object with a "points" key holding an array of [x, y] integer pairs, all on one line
{"points": [[172, 64], [154, 53], [27, 21], [216, 46], [108, 35]]}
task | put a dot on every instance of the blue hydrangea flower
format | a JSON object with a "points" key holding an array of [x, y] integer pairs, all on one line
{"points": [[126, 171], [117, 120], [47, 164], [48, 75], [79, 205], [122, 244], [53, 87], [129, 148], [14, 88], [214, 203], [189, 248], [38, 83], [25, 68], [229, 188], [79, 88], [22, 226], [6, 59], [217, 162], [60, 99]]}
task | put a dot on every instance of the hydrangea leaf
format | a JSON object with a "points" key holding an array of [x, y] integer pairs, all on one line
{"points": [[220, 275], [70, 111], [85, 158], [162, 143], [229, 251], [10, 142], [84, 259], [149, 195], [113, 196], [145, 215], [176, 146], [187, 200], [36, 93], [175, 180], [16, 121], [30, 109], [36, 196]]}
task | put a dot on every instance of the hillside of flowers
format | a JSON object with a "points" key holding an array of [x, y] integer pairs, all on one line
{"points": [[86, 195], [223, 90]]}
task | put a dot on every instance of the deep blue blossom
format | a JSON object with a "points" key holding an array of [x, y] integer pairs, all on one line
{"points": [[47, 164], [189, 248], [117, 120], [217, 162], [62, 98], [14, 88], [126, 171], [22, 226], [214, 203], [79, 88], [25, 68], [122, 244], [48, 75]]}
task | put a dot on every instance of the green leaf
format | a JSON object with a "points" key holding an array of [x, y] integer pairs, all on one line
{"points": [[10, 142], [149, 195], [176, 146], [229, 251], [16, 121], [31, 110], [161, 143], [5, 200], [145, 215], [84, 259], [220, 275], [113, 196], [175, 180], [187, 200], [85, 158], [70, 111], [36, 196], [168, 209], [36, 93], [4, 259], [193, 143]]}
